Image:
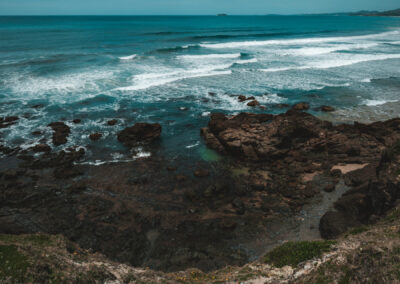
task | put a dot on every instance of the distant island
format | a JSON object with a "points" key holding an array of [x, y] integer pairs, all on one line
{"points": [[377, 13], [222, 15]]}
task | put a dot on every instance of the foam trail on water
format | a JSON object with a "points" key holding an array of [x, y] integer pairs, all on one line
{"points": [[243, 44], [377, 102], [148, 80], [209, 56], [332, 63], [130, 57], [312, 51]]}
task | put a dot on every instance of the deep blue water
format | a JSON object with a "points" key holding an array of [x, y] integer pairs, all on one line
{"points": [[161, 69]]}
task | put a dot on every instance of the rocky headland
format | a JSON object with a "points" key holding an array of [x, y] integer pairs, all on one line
{"points": [[171, 216]]}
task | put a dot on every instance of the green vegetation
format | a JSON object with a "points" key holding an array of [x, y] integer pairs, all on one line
{"points": [[293, 253], [13, 264], [37, 239]]}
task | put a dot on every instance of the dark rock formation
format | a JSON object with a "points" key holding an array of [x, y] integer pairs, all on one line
{"points": [[327, 108], [112, 122], [301, 106], [95, 136], [41, 148], [60, 132], [253, 103], [77, 121], [140, 132], [8, 121]]}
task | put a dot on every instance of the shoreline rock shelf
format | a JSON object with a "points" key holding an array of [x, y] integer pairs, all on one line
{"points": [[153, 208]]}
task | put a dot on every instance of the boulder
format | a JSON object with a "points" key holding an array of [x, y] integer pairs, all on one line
{"points": [[301, 106], [242, 98], [139, 133], [77, 121], [60, 132], [253, 103]]}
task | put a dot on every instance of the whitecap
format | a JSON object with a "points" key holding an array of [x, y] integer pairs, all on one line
{"points": [[209, 56], [130, 57], [148, 80], [244, 44], [193, 145], [377, 102], [336, 62]]}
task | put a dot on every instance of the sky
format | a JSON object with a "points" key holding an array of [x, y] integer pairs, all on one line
{"points": [[188, 7]]}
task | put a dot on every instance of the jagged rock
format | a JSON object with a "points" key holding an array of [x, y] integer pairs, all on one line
{"points": [[77, 121], [60, 132], [140, 132]]}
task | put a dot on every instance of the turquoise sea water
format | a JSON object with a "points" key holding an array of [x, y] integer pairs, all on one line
{"points": [[162, 69]]}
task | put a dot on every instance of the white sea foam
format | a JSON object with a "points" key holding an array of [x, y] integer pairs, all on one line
{"points": [[244, 44], [59, 85], [130, 57], [193, 145], [312, 51], [148, 80], [246, 61], [377, 102], [270, 99], [336, 62], [209, 56]]}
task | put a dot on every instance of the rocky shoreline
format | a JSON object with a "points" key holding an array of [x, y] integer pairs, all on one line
{"points": [[171, 216]]}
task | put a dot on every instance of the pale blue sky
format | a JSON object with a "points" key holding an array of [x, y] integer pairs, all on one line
{"points": [[188, 7]]}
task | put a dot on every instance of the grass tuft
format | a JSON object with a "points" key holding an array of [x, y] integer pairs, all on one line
{"points": [[293, 253], [13, 264]]}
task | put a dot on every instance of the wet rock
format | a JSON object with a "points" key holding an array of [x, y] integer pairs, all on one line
{"points": [[171, 169], [242, 98], [253, 103], [282, 106], [139, 133], [201, 173], [37, 133], [112, 122], [77, 121], [8, 121], [95, 136], [332, 224], [60, 132], [41, 148], [37, 106], [330, 188], [327, 108], [180, 178], [301, 106], [239, 205]]}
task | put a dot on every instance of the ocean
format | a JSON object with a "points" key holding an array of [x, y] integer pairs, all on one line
{"points": [[176, 70]]}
